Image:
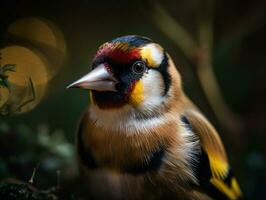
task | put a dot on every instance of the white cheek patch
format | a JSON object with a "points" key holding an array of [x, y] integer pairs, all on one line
{"points": [[153, 89], [153, 53]]}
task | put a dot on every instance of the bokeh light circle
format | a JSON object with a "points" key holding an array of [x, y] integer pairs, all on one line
{"points": [[30, 68], [45, 36]]}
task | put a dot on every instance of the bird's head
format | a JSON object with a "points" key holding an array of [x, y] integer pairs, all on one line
{"points": [[129, 70]]}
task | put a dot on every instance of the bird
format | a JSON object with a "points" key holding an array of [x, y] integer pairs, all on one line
{"points": [[141, 137]]}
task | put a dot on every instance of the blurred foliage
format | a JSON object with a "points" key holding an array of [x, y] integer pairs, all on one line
{"points": [[5, 106], [22, 191], [23, 149]]}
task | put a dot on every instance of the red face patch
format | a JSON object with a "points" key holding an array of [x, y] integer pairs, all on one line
{"points": [[118, 52]]}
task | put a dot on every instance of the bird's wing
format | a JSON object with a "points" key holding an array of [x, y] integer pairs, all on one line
{"points": [[213, 170]]}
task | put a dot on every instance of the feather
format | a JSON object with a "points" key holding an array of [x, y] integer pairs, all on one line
{"points": [[213, 171]]}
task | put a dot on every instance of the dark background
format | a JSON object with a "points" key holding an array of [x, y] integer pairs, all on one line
{"points": [[237, 59]]}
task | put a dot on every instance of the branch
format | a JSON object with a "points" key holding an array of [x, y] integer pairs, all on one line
{"points": [[172, 29], [207, 78]]}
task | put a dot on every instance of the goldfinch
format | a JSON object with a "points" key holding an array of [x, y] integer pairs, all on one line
{"points": [[141, 137]]}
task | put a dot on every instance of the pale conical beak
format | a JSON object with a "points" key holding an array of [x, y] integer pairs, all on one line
{"points": [[98, 79]]}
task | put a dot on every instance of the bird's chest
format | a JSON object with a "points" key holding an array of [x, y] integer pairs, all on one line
{"points": [[127, 154], [108, 184], [118, 166]]}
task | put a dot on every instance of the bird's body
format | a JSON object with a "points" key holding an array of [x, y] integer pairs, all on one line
{"points": [[141, 137]]}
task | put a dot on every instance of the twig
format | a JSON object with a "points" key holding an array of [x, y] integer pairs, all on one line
{"points": [[31, 85], [203, 62], [32, 176], [174, 30]]}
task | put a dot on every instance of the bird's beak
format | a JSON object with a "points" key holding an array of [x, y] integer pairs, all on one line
{"points": [[98, 79]]}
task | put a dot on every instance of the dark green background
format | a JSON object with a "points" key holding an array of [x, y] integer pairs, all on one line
{"points": [[239, 64]]}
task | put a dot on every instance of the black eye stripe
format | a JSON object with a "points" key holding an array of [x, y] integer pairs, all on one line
{"points": [[163, 69]]}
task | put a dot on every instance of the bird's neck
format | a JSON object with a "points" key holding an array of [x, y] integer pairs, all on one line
{"points": [[129, 118]]}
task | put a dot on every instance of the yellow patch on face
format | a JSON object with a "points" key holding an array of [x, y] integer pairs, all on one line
{"points": [[152, 54], [136, 97]]}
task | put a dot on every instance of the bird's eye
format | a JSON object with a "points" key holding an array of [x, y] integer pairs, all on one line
{"points": [[139, 67]]}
